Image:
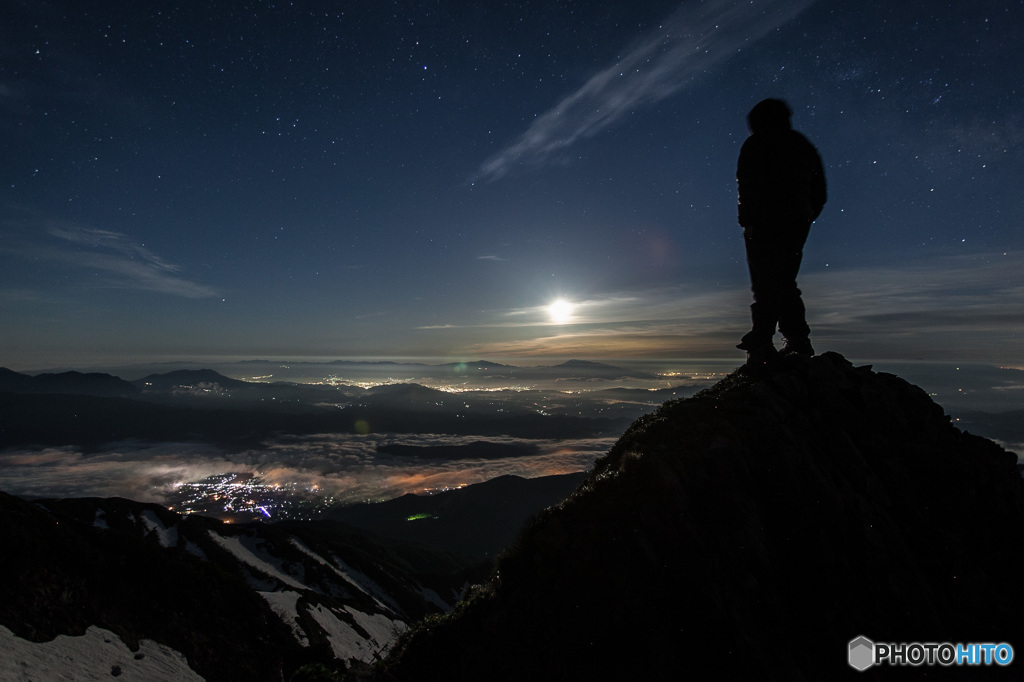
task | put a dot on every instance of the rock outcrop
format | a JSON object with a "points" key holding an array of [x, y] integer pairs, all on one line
{"points": [[751, 532]]}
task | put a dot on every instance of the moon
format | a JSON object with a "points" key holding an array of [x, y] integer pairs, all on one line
{"points": [[560, 311]]}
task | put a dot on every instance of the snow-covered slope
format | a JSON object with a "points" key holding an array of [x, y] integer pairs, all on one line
{"points": [[252, 602], [97, 655]]}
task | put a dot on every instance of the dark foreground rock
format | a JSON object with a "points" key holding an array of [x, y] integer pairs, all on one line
{"points": [[751, 532]]}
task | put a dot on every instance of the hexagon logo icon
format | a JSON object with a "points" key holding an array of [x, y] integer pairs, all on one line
{"points": [[862, 653]]}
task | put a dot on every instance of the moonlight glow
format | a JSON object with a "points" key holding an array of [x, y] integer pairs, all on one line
{"points": [[560, 311]]}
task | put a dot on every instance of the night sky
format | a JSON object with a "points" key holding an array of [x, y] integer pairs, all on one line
{"points": [[424, 179]]}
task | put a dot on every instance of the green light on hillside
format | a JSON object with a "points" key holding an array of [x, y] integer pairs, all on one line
{"points": [[417, 517]]}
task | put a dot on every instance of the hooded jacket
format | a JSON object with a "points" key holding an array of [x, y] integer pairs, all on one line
{"points": [[779, 174]]}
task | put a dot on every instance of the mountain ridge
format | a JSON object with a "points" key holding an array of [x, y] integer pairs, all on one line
{"points": [[479, 520], [751, 532], [71, 382], [188, 377]]}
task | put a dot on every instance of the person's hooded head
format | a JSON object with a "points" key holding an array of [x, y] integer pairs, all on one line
{"points": [[769, 116]]}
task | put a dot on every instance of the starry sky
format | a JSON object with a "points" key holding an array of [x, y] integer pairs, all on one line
{"points": [[401, 179]]}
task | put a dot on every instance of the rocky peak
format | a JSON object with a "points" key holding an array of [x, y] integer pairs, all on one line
{"points": [[751, 532]]}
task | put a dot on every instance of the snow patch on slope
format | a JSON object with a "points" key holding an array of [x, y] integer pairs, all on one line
{"points": [[359, 581], [286, 605], [245, 555], [347, 643], [365, 584], [381, 629], [96, 655], [168, 536]]}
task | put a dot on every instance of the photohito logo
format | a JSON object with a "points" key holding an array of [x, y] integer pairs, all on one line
{"points": [[863, 653]]}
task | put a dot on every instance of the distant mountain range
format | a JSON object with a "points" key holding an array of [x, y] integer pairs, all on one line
{"points": [[483, 368], [474, 450], [73, 383], [189, 378], [201, 405]]}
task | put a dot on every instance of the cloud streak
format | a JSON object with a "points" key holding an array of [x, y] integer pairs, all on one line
{"points": [[694, 39], [126, 263], [118, 261]]}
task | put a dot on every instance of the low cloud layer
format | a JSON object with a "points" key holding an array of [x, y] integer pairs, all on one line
{"points": [[346, 466]]}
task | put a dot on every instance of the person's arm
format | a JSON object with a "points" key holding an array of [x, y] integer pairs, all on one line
{"points": [[819, 188], [746, 190]]}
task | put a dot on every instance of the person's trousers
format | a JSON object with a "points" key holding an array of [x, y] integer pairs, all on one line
{"points": [[773, 257]]}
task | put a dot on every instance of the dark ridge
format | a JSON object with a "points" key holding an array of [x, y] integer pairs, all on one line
{"points": [[478, 520], [476, 364], [599, 369], [188, 378], [1004, 426], [474, 450], [91, 422], [68, 383], [404, 393], [585, 364], [751, 532]]}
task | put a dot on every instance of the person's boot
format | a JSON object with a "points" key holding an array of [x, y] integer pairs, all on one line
{"points": [[748, 344], [762, 329], [800, 346], [754, 340]]}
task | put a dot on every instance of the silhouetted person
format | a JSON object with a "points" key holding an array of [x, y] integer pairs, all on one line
{"points": [[781, 185]]}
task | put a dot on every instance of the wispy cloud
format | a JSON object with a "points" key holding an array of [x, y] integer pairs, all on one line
{"points": [[117, 260], [695, 38]]}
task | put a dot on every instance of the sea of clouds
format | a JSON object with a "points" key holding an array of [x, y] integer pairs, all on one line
{"points": [[345, 466]]}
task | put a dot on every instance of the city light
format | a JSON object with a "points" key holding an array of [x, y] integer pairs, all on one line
{"points": [[247, 497]]}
